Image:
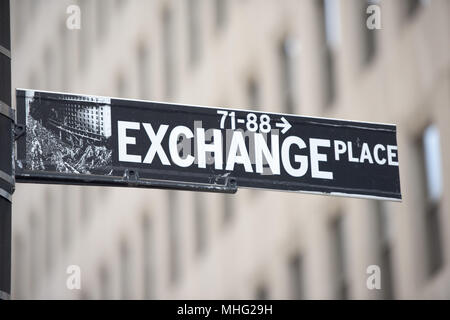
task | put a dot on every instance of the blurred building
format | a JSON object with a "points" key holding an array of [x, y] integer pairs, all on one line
{"points": [[310, 57]]}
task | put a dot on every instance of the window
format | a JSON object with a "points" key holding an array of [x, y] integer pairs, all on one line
{"points": [[119, 4], [411, 7], [227, 207], [338, 250], [32, 80], [49, 68], [102, 17], [143, 71], [288, 49], [200, 227], [64, 56], [253, 93], [369, 36], [168, 50], [121, 86], [385, 249], [83, 34], [148, 257], [330, 17], [262, 292], [33, 249], [124, 265], [194, 30], [49, 219], [18, 269], [220, 8], [174, 250], [105, 283], [296, 280], [85, 203], [429, 145]]}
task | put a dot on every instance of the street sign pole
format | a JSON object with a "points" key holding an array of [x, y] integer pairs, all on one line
{"points": [[6, 146]]}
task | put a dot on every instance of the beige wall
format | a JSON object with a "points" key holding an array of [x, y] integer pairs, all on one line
{"points": [[407, 83]]}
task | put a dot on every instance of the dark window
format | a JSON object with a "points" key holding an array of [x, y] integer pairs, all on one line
{"points": [[385, 249], [262, 293], [174, 250], [125, 271], [143, 72], [338, 250], [18, 271], [121, 86], [430, 155], [49, 219], [287, 51], [119, 3], [105, 283], [330, 30], [194, 29], [34, 252], [220, 8], [103, 15], [85, 203], [49, 68], [253, 93], [168, 47], [200, 227], [296, 277], [64, 56], [412, 7], [83, 34], [148, 256], [369, 36], [227, 207]]}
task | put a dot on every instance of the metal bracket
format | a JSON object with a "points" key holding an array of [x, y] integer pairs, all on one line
{"points": [[5, 195], [6, 177], [7, 111], [131, 177], [5, 52], [19, 130], [4, 295]]}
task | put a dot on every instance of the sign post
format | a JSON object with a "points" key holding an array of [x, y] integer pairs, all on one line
{"points": [[81, 139], [6, 147]]}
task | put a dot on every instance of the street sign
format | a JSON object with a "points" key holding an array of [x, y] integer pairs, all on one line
{"points": [[71, 138]]}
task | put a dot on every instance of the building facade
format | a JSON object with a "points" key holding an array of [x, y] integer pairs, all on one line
{"points": [[309, 57]]}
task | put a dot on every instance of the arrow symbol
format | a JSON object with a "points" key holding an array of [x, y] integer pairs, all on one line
{"points": [[285, 125]]}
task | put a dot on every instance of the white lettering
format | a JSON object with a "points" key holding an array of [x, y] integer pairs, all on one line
{"points": [[376, 155], [173, 143], [303, 160], [215, 147], [351, 158], [317, 157], [124, 140], [155, 147], [238, 145], [272, 159], [340, 147], [365, 154], [391, 154]]}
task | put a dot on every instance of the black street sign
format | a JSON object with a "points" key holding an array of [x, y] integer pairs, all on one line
{"points": [[70, 138]]}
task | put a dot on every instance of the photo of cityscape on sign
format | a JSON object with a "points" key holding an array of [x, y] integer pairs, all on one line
{"points": [[225, 155]]}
